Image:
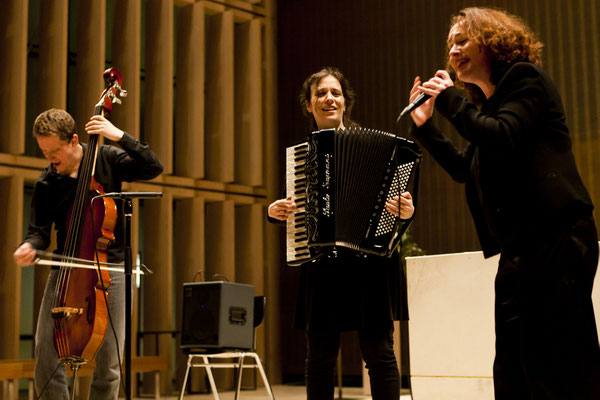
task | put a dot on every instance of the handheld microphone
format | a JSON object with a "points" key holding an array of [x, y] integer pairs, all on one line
{"points": [[416, 103], [421, 98]]}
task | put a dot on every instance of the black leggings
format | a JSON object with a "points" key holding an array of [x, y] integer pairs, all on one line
{"points": [[377, 348]]}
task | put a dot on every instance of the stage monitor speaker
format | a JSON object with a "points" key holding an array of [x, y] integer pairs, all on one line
{"points": [[217, 315]]}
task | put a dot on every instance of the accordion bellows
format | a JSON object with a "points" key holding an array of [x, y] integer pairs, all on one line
{"points": [[340, 181]]}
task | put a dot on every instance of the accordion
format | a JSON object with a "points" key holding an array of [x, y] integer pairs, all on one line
{"points": [[340, 181]]}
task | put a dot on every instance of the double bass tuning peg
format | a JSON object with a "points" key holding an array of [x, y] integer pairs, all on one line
{"points": [[122, 92], [114, 98]]}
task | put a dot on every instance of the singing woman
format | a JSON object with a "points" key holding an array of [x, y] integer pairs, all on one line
{"points": [[527, 200]]}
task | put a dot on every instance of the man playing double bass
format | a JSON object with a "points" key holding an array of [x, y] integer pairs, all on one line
{"points": [[53, 196]]}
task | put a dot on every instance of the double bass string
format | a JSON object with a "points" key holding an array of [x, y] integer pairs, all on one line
{"points": [[73, 233], [75, 223]]}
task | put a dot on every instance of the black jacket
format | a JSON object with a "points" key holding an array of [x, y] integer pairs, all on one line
{"points": [[518, 168]]}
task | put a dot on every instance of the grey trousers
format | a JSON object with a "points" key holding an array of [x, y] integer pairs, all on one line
{"points": [[105, 384]]}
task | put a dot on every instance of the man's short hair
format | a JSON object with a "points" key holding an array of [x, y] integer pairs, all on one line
{"points": [[55, 122]]}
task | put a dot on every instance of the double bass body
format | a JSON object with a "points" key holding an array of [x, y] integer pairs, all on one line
{"points": [[80, 315]]}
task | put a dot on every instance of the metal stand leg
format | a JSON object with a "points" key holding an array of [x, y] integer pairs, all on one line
{"points": [[75, 368], [263, 375], [157, 385], [239, 377], [239, 366], [187, 372], [211, 378], [31, 389]]}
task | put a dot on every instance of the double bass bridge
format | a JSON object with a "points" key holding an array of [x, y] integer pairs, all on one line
{"points": [[66, 312]]}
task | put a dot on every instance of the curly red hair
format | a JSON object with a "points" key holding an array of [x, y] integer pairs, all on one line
{"points": [[506, 38]]}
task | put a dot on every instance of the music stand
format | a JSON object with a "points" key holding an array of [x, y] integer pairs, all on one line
{"points": [[127, 211]]}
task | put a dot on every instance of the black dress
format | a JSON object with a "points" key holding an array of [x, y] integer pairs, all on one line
{"points": [[350, 292]]}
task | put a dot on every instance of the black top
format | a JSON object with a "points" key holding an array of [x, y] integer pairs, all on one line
{"points": [[519, 172], [54, 193]]}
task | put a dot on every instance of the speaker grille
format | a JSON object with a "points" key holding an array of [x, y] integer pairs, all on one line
{"points": [[211, 315]]}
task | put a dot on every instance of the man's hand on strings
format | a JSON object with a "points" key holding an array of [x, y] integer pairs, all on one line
{"points": [[98, 125]]}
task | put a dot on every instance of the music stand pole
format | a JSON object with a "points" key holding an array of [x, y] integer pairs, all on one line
{"points": [[127, 267], [127, 212]]}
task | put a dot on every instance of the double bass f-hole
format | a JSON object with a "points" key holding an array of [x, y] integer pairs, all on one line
{"points": [[89, 314]]}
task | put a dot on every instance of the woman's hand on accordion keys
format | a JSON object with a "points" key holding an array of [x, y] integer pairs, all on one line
{"points": [[401, 206], [281, 209]]}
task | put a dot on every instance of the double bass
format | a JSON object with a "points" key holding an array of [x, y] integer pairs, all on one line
{"points": [[80, 307]]}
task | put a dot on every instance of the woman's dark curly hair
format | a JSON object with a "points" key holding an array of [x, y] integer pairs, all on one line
{"points": [[505, 37], [314, 79]]}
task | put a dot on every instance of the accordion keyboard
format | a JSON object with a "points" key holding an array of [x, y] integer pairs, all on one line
{"points": [[297, 241]]}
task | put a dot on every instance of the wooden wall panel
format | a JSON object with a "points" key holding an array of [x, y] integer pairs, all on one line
{"points": [[190, 236], [220, 241], [272, 171], [220, 257], [11, 224], [189, 231], [219, 99], [158, 254], [189, 100], [91, 48], [158, 101], [126, 57], [53, 54], [248, 104], [249, 258], [13, 68]]}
